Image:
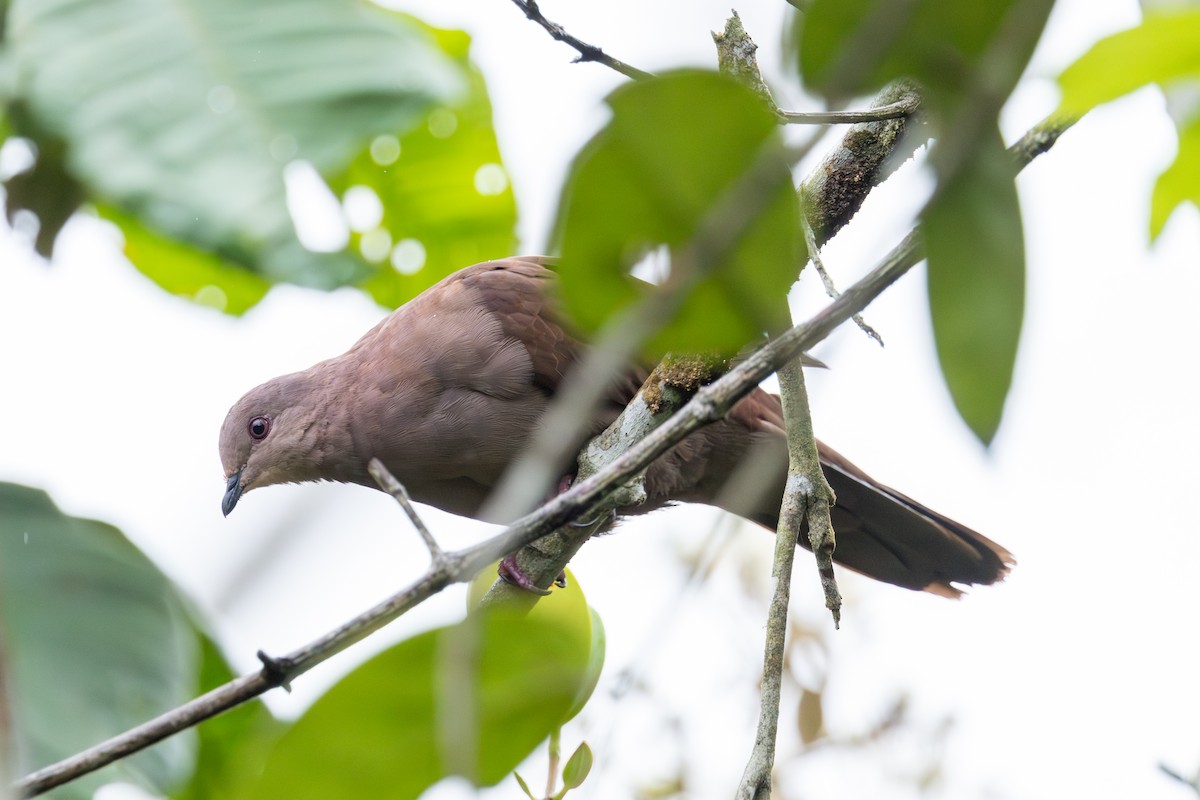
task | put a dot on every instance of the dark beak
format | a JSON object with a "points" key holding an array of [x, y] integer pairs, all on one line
{"points": [[233, 492]]}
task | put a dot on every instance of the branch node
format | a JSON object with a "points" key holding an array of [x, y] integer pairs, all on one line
{"points": [[736, 58], [277, 671]]}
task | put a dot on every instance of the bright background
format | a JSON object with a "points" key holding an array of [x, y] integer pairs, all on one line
{"points": [[1076, 677]]}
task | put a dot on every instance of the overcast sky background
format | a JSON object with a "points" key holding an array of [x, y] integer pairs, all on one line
{"points": [[1075, 677]]}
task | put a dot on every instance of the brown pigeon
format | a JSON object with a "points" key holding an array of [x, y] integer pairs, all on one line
{"points": [[447, 390]]}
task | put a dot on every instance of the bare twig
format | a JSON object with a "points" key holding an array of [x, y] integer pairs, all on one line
{"points": [[709, 405], [1192, 783], [587, 52], [387, 481], [814, 255], [904, 107]]}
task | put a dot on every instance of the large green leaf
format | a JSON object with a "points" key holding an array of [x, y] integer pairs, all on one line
{"points": [[675, 146], [472, 699], [446, 201], [184, 114], [976, 281], [95, 639]]}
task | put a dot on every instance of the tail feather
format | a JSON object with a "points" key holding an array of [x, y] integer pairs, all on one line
{"points": [[881, 532], [891, 537]]}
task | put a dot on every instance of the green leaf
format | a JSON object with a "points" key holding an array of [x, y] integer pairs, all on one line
{"points": [[524, 786], [853, 47], [1178, 184], [447, 201], [96, 642], [1164, 49], [47, 190], [472, 699], [648, 179], [578, 766], [234, 744], [976, 282], [184, 114]]}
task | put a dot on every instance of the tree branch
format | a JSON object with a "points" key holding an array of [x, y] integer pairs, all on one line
{"points": [[803, 499], [587, 52], [868, 154]]}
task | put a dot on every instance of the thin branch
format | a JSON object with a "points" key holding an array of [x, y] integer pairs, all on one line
{"points": [[709, 405], [1192, 783], [807, 496], [387, 481], [814, 255], [904, 107], [587, 52]]}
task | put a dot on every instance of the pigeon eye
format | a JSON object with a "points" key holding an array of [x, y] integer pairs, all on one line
{"points": [[259, 427]]}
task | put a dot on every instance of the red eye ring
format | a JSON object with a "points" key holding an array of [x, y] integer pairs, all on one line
{"points": [[259, 427]]}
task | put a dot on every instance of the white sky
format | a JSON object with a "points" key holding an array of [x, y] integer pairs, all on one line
{"points": [[1076, 677]]}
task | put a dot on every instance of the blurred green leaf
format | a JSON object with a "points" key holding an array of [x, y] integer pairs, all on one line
{"points": [[674, 145], [853, 47], [447, 200], [1165, 48], [578, 766], [234, 744], [184, 114], [96, 642], [966, 56], [185, 270], [976, 282], [1179, 183], [472, 699], [48, 190]]}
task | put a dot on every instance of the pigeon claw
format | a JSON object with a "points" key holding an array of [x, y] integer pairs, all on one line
{"points": [[514, 575]]}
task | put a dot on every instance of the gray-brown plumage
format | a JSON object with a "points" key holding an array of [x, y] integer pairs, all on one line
{"points": [[447, 389]]}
